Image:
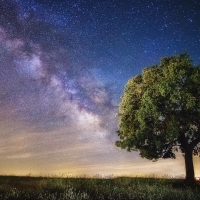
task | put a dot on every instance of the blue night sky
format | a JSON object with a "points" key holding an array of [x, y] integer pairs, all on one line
{"points": [[63, 68]]}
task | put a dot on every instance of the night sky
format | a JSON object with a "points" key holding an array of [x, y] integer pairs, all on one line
{"points": [[63, 68]]}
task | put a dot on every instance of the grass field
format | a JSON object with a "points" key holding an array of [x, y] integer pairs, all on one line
{"points": [[48, 188]]}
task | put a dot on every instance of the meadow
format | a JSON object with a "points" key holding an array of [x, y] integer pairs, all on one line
{"points": [[54, 188]]}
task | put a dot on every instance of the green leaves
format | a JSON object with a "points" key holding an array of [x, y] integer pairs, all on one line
{"points": [[189, 100], [169, 91]]}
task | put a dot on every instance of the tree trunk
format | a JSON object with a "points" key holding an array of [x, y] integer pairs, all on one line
{"points": [[189, 167]]}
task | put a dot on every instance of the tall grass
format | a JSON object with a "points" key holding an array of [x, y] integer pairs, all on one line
{"points": [[48, 188]]}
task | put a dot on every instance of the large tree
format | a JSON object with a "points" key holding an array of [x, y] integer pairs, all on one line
{"points": [[160, 112]]}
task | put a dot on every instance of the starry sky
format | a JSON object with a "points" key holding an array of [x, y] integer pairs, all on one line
{"points": [[63, 68]]}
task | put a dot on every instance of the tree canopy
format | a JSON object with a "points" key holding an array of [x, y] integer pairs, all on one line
{"points": [[160, 111]]}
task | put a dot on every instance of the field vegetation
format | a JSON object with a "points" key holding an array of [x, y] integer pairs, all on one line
{"points": [[52, 188]]}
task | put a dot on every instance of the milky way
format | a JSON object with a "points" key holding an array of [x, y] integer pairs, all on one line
{"points": [[63, 67]]}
